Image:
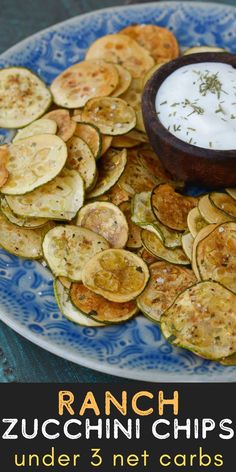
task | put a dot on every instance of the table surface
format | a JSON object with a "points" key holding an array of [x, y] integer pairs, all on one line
{"points": [[20, 360]]}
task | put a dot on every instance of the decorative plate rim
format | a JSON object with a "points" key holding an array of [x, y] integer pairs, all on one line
{"points": [[134, 374], [140, 6]]}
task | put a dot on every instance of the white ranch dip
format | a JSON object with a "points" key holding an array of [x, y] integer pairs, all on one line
{"points": [[197, 103]]}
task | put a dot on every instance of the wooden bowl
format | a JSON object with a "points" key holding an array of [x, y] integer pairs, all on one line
{"points": [[193, 164]]}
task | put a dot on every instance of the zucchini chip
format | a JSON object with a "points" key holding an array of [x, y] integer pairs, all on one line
{"points": [[146, 256], [122, 50], [133, 96], [195, 222], [165, 283], [231, 192], [65, 282], [136, 178], [98, 308], [105, 219], [116, 274], [138, 136], [152, 163], [172, 208], [134, 239], [225, 203], [141, 209], [203, 233], [124, 141], [144, 217], [69, 310], [81, 159], [124, 81], [83, 81], [42, 126], [33, 162], [106, 143], [67, 248], [154, 245], [113, 116], [110, 168], [4, 158], [24, 97], [230, 360], [65, 125], [22, 242], [91, 135], [153, 69], [59, 199], [199, 49], [187, 245], [20, 220], [159, 42], [203, 320], [216, 255], [115, 195], [209, 212]]}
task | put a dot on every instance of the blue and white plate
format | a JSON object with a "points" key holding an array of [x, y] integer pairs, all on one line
{"points": [[136, 349]]}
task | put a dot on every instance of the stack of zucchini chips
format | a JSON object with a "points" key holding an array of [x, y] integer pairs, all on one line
{"points": [[83, 191]]}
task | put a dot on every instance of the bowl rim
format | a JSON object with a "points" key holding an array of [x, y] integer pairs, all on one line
{"points": [[149, 108]]}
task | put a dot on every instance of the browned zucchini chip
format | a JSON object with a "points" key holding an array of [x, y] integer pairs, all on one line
{"points": [[91, 135], [152, 163], [81, 159], [216, 255], [100, 309], [124, 141], [136, 178], [203, 320], [106, 143], [154, 245], [225, 203], [144, 217], [160, 42], [116, 274], [172, 208], [115, 195], [4, 158], [83, 81], [113, 116], [105, 219], [110, 168], [68, 309], [134, 239], [166, 282], [146, 256], [65, 125], [122, 50]]}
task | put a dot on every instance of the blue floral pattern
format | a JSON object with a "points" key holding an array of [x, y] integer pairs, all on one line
{"points": [[135, 349]]}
